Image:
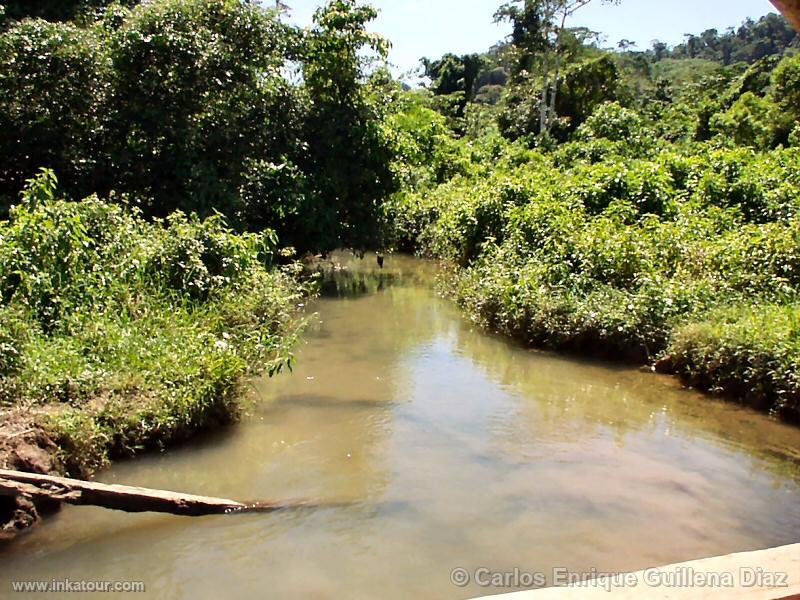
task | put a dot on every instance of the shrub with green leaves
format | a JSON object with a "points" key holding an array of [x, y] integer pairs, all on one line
{"points": [[751, 352], [204, 106], [53, 103], [630, 258], [786, 85], [131, 333], [611, 121]]}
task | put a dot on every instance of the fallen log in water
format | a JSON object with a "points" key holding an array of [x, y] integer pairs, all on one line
{"points": [[126, 498]]}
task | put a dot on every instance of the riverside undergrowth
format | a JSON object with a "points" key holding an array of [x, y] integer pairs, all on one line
{"points": [[681, 256], [119, 334]]}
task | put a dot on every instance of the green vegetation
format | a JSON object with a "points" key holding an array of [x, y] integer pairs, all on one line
{"points": [[650, 211], [55, 10], [628, 256], [204, 106], [121, 334]]}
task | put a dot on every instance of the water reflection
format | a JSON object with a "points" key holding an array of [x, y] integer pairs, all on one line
{"points": [[342, 275]]}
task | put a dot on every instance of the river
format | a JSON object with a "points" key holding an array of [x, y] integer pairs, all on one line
{"points": [[436, 446]]}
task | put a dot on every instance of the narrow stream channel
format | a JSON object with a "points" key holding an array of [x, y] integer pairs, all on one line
{"points": [[439, 446]]}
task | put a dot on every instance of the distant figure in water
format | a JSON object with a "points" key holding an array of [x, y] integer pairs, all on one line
{"points": [[380, 260]]}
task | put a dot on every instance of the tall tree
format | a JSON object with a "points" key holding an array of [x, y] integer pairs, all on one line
{"points": [[453, 74], [348, 149], [539, 34]]}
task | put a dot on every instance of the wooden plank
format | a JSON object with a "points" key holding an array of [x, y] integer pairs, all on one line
{"points": [[126, 498]]}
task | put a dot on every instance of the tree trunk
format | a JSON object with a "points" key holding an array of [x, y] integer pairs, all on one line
{"points": [[545, 89], [552, 113], [125, 498]]}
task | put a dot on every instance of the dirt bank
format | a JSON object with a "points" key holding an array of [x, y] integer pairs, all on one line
{"points": [[24, 446]]}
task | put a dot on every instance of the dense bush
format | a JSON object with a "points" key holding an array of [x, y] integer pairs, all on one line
{"points": [[196, 91], [55, 10], [611, 121], [133, 333], [746, 123], [53, 104], [786, 85], [191, 105], [631, 258], [746, 351], [425, 149]]}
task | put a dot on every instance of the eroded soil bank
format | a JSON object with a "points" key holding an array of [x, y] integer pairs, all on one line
{"points": [[23, 447]]}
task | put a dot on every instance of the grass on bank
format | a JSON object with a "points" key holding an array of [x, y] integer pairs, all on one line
{"points": [[118, 334]]}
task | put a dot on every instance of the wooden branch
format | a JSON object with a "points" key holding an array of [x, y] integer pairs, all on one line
{"points": [[126, 498]]}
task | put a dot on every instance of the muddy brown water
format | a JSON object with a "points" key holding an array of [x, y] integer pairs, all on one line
{"points": [[437, 447]]}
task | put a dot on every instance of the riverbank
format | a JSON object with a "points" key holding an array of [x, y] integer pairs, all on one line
{"points": [[681, 258], [121, 335]]}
